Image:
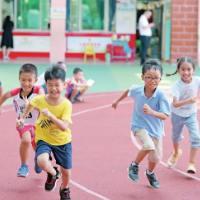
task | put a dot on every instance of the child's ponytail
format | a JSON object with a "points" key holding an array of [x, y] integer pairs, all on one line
{"points": [[182, 60]]}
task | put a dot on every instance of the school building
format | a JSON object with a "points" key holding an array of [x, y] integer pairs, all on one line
{"points": [[61, 29]]}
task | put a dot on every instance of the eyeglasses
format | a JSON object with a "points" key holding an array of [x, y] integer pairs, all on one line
{"points": [[156, 79]]}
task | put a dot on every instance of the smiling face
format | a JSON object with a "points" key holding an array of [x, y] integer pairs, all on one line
{"points": [[55, 87], [27, 81], [186, 71], [147, 78]]}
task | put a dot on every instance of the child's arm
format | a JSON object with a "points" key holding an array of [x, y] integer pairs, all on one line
{"points": [[27, 110], [61, 124], [4, 98], [177, 103], [123, 96], [79, 84], [147, 110]]}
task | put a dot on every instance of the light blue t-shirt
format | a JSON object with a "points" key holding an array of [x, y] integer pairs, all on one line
{"points": [[157, 102]]}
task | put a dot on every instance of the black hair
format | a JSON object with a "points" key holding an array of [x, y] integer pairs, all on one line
{"points": [[60, 63], [55, 72], [152, 64], [77, 70], [184, 60], [6, 20], [29, 68]]}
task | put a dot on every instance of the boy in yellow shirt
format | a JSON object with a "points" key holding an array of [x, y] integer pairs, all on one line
{"points": [[52, 132]]}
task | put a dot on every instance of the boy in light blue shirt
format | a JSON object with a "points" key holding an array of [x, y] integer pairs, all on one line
{"points": [[151, 107]]}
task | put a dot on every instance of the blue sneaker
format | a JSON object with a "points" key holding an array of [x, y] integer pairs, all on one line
{"points": [[38, 170], [23, 171]]}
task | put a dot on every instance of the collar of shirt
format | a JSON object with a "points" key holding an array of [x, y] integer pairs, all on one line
{"points": [[154, 94]]}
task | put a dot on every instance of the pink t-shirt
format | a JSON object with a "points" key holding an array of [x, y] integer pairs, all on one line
{"points": [[70, 86]]}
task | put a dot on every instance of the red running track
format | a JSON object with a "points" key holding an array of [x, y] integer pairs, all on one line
{"points": [[102, 151]]}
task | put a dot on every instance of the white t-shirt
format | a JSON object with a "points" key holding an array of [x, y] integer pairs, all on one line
{"points": [[144, 22], [40, 80], [182, 91]]}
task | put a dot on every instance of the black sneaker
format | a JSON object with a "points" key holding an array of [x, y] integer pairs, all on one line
{"points": [[51, 180], [133, 172], [64, 194], [153, 182]]}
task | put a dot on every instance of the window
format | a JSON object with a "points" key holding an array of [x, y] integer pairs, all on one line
{"points": [[92, 15], [28, 14], [89, 15]]}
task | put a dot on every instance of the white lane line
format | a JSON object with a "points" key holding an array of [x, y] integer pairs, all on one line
{"points": [[88, 191], [161, 162]]}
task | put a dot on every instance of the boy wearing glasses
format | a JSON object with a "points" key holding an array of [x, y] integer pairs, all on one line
{"points": [[151, 107]]}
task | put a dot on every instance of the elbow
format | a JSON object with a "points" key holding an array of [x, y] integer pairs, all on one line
{"points": [[175, 105], [164, 117], [64, 128]]}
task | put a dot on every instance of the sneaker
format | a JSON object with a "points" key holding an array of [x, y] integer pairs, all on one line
{"points": [[191, 168], [64, 194], [51, 180], [153, 182], [173, 159], [23, 171], [38, 170], [133, 172]]}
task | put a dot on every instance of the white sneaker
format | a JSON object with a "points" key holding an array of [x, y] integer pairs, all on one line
{"points": [[173, 159], [191, 168]]}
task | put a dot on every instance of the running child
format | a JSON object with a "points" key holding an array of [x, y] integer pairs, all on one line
{"points": [[21, 97], [76, 87], [151, 107], [52, 132], [41, 79], [184, 111]]}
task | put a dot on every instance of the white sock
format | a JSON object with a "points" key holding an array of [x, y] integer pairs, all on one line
{"points": [[149, 172], [134, 163]]}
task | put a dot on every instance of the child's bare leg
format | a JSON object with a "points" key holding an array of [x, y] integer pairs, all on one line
{"points": [[83, 92], [152, 166], [141, 155], [193, 153], [44, 163], [24, 147], [176, 147], [74, 93], [66, 175]]}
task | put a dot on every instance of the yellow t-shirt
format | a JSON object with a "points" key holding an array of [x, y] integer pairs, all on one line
{"points": [[46, 130]]}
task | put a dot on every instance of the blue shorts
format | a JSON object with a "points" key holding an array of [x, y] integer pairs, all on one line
{"points": [[45, 88], [62, 154], [192, 125], [70, 92]]}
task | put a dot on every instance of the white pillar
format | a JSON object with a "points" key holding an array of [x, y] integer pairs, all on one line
{"points": [[57, 33]]}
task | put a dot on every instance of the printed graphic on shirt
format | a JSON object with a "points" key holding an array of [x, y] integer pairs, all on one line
{"points": [[188, 93], [48, 124]]}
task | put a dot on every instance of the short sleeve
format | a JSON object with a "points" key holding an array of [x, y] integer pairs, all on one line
{"points": [[175, 91], [164, 104], [131, 91], [143, 21], [67, 112], [34, 102]]}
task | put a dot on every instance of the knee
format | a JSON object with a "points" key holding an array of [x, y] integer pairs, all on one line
{"points": [[42, 163], [26, 141], [148, 146], [66, 172]]}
